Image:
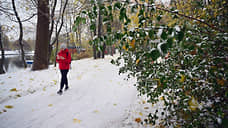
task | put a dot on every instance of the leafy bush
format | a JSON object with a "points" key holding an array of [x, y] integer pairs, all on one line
{"points": [[183, 63]]}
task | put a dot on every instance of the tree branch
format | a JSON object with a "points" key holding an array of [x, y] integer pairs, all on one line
{"points": [[61, 22], [185, 16]]}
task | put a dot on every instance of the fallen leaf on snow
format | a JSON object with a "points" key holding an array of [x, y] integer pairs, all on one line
{"points": [[18, 95], [140, 114], [50, 105], [79, 77], [143, 101], [13, 90], [138, 120], [146, 107], [4, 110], [31, 79], [76, 120], [114, 104], [55, 82], [95, 111], [9, 106]]}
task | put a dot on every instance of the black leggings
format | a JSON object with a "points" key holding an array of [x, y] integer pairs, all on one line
{"points": [[64, 78]]}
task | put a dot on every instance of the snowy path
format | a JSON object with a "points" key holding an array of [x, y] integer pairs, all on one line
{"points": [[98, 97]]}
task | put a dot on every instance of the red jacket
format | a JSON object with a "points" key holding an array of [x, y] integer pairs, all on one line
{"points": [[64, 63]]}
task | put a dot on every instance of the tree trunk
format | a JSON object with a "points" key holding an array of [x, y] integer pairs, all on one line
{"points": [[2, 71], [57, 45], [94, 47], [21, 35], [99, 32], [42, 36]]}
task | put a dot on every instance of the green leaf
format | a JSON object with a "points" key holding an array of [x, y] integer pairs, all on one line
{"points": [[117, 5], [95, 10], [164, 35], [122, 14], [154, 54], [93, 26], [159, 18], [109, 28], [84, 12], [180, 35], [169, 42], [110, 8], [164, 47], [151, 34], [83, 20]]}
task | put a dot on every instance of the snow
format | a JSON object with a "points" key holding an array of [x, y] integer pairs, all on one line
{"points": [[98, 98]]}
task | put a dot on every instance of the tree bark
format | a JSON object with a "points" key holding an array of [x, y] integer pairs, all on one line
{"points": [[21, 35], [2, 71], [94, 47], [42, 36], [99, 31]]}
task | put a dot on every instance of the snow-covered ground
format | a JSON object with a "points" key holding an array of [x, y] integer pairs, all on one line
{"points": [[98, 98]]}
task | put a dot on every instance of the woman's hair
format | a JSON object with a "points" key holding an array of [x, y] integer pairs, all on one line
{"points": [[63, 46]]}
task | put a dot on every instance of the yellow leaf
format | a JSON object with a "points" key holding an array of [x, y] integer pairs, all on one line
{"points": [[140, 114], [44, 89], [220, 81], [114, 104], [50, 105], [13, 90], [55, 82], [193, 104], [9, 106], [132, 44], [124, 47], [76, 120], [143, 101], [138, 120], [95, 111], [137, 61], [161, 98], [182, 78], [79, 77], [158, 82], [146, 107]]}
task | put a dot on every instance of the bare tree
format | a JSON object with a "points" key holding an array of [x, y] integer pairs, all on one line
{"points": [[42, 36], [61, 18], [21, 34]]}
